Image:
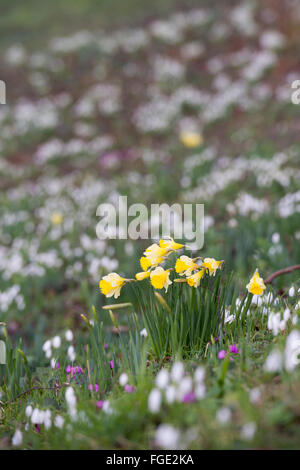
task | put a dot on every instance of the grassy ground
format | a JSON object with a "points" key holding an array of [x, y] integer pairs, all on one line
{"points": [[111, 111]]}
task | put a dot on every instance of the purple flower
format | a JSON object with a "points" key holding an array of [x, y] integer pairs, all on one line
{"points": [[90, 387], [68, 369], [99, 404], [96, 388], [105, 346], [129, 388], [189, 398], [234, 349], [111, 364], [222, 354]]}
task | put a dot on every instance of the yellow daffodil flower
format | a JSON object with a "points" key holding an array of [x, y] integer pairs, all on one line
{"points": [[170, 245], [185, 265], [159, 278], [155, 254], [191, 139], [212, 265], [111, 285], [141, 276], [256, 285], [57, 218], [194, 279], [145, 263]]}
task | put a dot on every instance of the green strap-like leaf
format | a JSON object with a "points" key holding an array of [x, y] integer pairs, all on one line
{"points": [[2, 353]]}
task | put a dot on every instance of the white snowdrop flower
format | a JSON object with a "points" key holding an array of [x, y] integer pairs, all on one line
{"points": [[154, 400], [275, 238], [162, 379], [286, 314], [69, 335], [292, 291], [170, 394], [177, 371], [200, 391], [294, 320], [199, 374], [28, 411], [53, 363], [59, 421], [107, 407], [71, 402], [273, 362], [56, 342], [224, 415], [292, 350], [70, 396], [71, 353], [47, 345], [255, 395], [47, 419], [17, 438], [272, 40], [144, 333], [248, 431], [282, 325], [184, 387], [37, 416], [167, 437], [48, 353], [123, 379]]}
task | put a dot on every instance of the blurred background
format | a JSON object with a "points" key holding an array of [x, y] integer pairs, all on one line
{"points": [[162, 101]]}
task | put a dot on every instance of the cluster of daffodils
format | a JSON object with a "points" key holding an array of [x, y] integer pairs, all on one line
{"points": [[176, 386], [191, 270]]}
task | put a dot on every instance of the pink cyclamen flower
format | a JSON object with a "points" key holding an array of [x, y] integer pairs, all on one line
{"points": [[234, 349], [99, 404], [222, 354], [189, 398], [111, 364], [129, 388], [90, 387], [96, 388]]}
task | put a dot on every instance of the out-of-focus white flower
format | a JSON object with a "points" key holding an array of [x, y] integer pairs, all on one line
{"points": [[17, 438], [275, 238], [47, 345], [255, 395], [167, 437], [71, 353], [273, 362], [224, 415], [71, 402], [200, 391], [123, 379], [184, 387], [59, 421], [28, 411], [248, 431], [177, 371], [56, 342], [154, 400], [292, 350], [162, 379], [69, 335], [199, 374], [170, 394], [144, 333], [107, 407], [292, 291]]}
